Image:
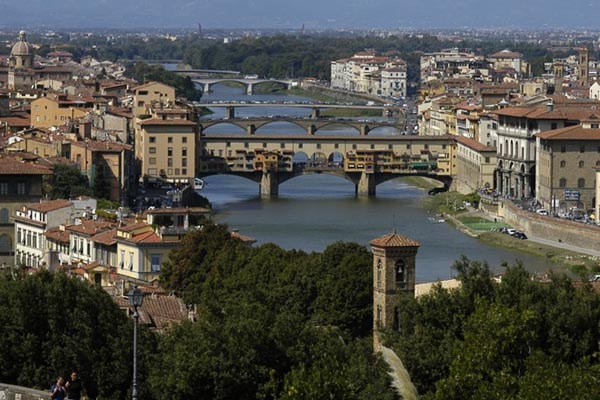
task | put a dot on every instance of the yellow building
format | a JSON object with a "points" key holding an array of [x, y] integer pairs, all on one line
{"points": [[166, 149], [47, 112], [151, 94], [141, 251]]}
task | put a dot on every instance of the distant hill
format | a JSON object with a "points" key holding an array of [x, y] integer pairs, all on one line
{"points": [[332, 14]]}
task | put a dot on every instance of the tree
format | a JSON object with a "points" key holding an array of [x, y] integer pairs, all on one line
{"points": [[100, 184], [52, 323], [66, 182]]}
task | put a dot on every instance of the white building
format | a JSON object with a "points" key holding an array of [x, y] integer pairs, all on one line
{"points": [[30, 224]]}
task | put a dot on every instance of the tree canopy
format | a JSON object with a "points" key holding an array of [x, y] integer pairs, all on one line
{"points": [[516, 339]]}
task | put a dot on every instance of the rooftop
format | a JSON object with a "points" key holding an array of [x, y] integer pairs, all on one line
{"points": [[394, 240]]}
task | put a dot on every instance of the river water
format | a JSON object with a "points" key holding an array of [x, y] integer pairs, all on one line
{"points": [[313, 211]]}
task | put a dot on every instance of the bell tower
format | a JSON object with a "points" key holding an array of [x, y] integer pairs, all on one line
{"points": [[394, 267]]}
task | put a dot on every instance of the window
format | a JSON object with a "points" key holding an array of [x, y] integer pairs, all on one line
{"points": [[581, 163], [184, 139], [169, 139], [169, 152], [151, 171], [372, 147], [246, 145], [152, 161], [582, 148], [130, 260], [563, 164], [4, 216], [169, 162], [21, 188], [487, 160], [5, 246], [580, 183], [183, 171], [553, 125], [562, 182], [155, 262], [300, 145], [563, 149], [400, 273], [184, 152], [379, 270], [152, 150], [353, 147], [282, 145], [19, 234], [152, 139], [176, 171], [184, 162], [264, 145], [318, 145], [122, 262], [408, 147]]}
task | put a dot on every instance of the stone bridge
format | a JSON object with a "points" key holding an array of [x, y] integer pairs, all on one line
{"points": [[366, 161], [310, 125], [248, 83]]}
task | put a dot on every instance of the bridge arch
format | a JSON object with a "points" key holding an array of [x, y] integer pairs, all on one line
{"points": [[282, 84], [300, 158], [220, 125], [318, 159], [295, 124], [386, 130], [319, 127], [336, 159]]}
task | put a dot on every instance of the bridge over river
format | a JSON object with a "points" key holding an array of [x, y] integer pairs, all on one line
{"points": [[364, 160], [310, 125], [249, 83]]}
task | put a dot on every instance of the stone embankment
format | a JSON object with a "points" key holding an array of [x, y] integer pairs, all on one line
{"points": [[12, 392]]}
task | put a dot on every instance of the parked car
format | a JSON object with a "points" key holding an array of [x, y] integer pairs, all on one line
{"points": [[541, 211]]}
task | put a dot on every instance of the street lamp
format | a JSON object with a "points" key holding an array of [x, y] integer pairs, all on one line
{"points": [[136, 298]]}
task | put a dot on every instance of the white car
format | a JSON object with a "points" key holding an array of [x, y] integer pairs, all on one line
{"points": [[541, 211]]}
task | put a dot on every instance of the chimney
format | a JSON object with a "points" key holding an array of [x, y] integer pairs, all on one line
{"points": [[550, 106]]}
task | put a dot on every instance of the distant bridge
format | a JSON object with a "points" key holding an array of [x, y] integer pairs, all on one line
{"points": [[248, 83], [366, 161], [310, 125], [387, 110]]}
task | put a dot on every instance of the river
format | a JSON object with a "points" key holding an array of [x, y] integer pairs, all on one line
{"points": [[313, 211]]}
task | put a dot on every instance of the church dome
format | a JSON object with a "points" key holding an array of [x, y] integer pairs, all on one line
{"points": [[21, 48]]}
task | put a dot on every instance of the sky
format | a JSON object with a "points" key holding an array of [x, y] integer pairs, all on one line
{"points": [[314, 14]]}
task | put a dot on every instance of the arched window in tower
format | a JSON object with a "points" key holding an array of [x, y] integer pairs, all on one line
{"points": [[379, 269], [400, 274], [378, 318]]}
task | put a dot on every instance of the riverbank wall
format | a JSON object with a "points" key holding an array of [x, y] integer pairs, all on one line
{"points": [[550, 228]]}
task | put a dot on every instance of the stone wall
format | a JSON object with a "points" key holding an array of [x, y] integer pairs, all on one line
{"points": [[12, 392], [550, 228]]}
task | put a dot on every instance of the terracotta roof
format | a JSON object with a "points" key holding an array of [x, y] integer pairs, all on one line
{"points": [[90, 226], [103, 146], [15, 121], [158, 310], [10, 166], [157, 121], [57, 235], [561, 111], [246, 239], [576, 132], [50, 205], [474, 144], [394, 240], [107, 237]]}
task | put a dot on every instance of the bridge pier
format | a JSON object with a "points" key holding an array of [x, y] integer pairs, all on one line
{"points": [[249, 89], [251, 129], [366, 185], [229, 112], [315, 113], [269, 185], [364, 130], [311, 129], [206, 87]]}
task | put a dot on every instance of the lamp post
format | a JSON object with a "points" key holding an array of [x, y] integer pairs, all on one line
{"points": [[136, 298]]}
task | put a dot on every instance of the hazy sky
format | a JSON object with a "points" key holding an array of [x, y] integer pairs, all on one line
{"points": [[292, 14]]}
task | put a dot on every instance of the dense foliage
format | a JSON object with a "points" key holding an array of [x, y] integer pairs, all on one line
{"points": [[66, 182], [52, 324], [519, 339], [273, 323]]}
